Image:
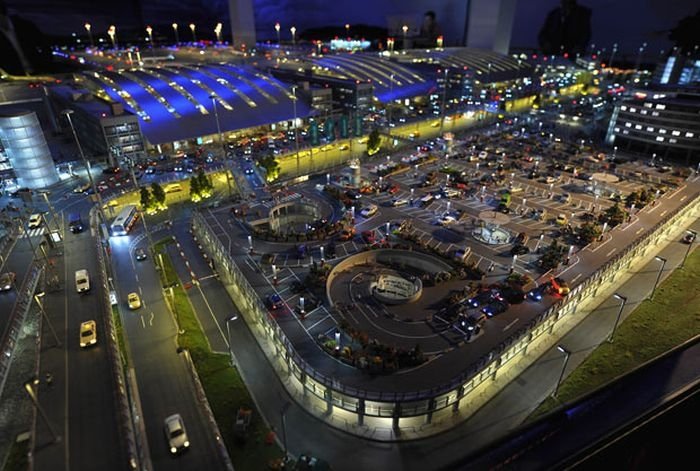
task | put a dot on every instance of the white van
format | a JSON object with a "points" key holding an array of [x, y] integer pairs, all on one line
{"points": [[82, 281]]}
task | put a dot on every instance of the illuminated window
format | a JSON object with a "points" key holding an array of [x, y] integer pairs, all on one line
{"points": [[633, 110], [625, 132], [672, 140], [659, 138], [660, 107], [662, 131], [628, 125], [623, 108], [648, 105], [617, 129], [689, 134], [643, 111], [650, 129], [655, 113], [676, 133], [637, 126]]}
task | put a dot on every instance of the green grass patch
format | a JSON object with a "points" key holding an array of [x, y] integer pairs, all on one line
{"points": [[222, 384], [17, 459], [120, 335], [653, 328]]}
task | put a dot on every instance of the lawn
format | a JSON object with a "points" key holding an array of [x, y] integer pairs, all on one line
{"points": [[653, 328], [222, 384]]}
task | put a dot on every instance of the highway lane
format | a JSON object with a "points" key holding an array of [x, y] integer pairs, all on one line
{"points": [[162, 374], [82, 400]]}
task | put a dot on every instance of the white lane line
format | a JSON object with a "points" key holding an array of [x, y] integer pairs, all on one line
{"points": [[143, 323], [511, 324], [318, 322], [610, 253], [150, 319], [576, 278]]}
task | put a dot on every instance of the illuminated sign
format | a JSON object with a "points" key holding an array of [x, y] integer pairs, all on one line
{"points": [[349, 44]]}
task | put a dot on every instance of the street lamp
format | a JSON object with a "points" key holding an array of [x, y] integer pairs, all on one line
{"points": [[217, 31], [228, 334], [694, 235], [623, 300], [29, 387], [67, 113], [194, 35], [149, 30], [89, 32], [112, 32], [658, 277], [444, 97], [277, 28], [567, 354], [293, 29], [296, 130], [404, 28], [177, 36], [37, 298], [347, 30], [391, 99], [221, 140]]}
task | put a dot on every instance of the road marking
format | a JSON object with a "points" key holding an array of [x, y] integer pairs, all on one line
{"points": [[318, 322], [641, 229], [511, 324], [150, 319], [663, 213], [575, 278], [610, 253], [143, 323]]}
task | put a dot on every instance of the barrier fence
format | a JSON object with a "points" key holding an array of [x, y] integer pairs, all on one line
{"points": [[426, 402], [17, 318], [127, 406]]}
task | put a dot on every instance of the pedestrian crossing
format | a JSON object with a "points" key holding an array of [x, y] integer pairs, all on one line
{"points": [[36, 232], [284, 199]]}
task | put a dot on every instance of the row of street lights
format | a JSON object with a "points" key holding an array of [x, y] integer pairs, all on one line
{"points": [[112, 33]]}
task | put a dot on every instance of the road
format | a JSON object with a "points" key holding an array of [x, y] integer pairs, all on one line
{"points": [[163, 376]]}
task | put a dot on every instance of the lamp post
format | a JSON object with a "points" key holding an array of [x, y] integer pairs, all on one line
{"points": [[277, 29], [347, 30], [694, 235], [622, 300], [217, 31], [391, 99], [567, 354], [149, 30], [228, 335], [37, 298], [612, 56], [658, 277], [444, 97], [404, 28], [29, 387], [112, 32], [88, 28], [296, 130], [177, 36], [221, 140], [194, 35], [293, 29], [283, 413], [67, 113]]}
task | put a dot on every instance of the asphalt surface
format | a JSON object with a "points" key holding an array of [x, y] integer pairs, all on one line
{"points": [[504, 412], [163, 376]]}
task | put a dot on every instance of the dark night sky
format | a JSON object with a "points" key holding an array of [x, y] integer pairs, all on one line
{"points": [[628, 22]]}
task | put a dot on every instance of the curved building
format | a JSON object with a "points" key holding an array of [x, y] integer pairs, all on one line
{"points": [[27, 150]]}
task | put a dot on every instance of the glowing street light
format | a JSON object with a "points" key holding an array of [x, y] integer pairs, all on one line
{"points": [[390, 44], [277, 28], [194, 36], [112, 32], [149, 30], [567, 354], [177, 36], [293, 29], [217, 30], [347, 30], [622, 300], [404, 28], [88, 28]]}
